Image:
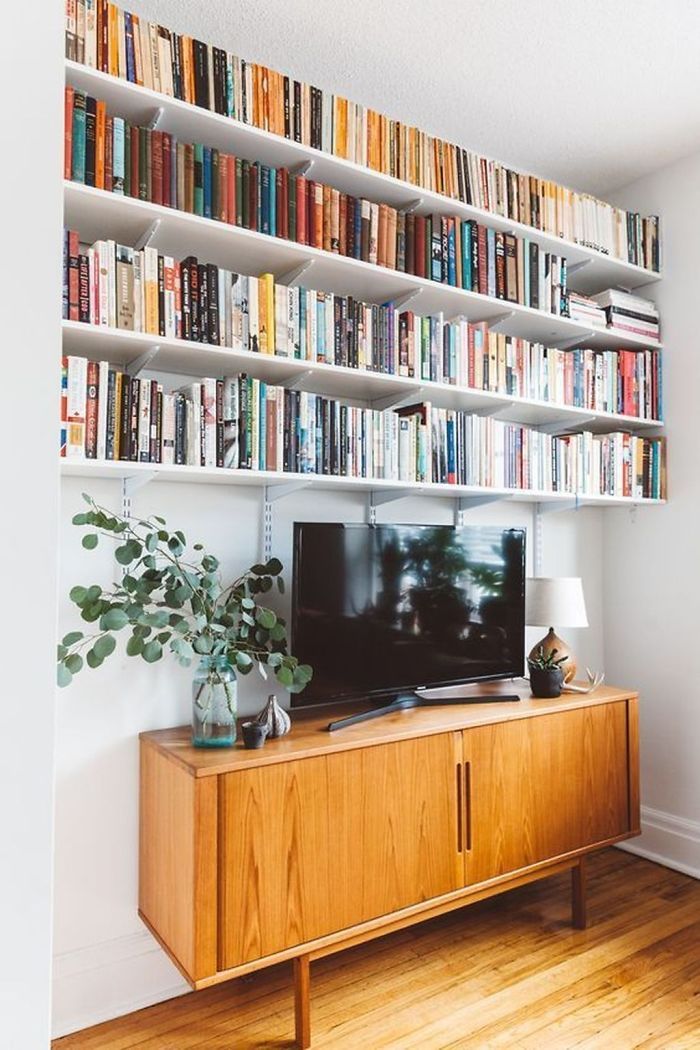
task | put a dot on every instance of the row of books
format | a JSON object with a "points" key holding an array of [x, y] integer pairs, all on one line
{"points": [[244, 423], [113, 285], [105, 37], [109, 153]]}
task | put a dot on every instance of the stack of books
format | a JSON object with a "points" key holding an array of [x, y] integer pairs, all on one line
{"points": [[584, 309], [112, 285], [244, 423], [105, 37], [630, 313]]}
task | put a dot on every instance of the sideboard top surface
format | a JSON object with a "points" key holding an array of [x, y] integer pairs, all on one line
{"points": [[309, 736]]}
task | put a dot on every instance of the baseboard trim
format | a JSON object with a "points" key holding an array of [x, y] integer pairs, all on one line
{"points": [[103, 981], [668, 840]]}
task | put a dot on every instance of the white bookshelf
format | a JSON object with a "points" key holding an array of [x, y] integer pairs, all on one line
{"points": [[287, 481], [99, 214], [177, 356], [190, 123]]}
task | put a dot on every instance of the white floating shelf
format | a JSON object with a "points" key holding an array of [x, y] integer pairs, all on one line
{"points": [[96, 213], [186, 358], [191, 124], [332, 483]]}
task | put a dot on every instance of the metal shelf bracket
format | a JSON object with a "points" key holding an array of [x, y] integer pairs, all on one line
{"points": [[297, 381], [130, 485], [575, 267], [500, 319], [413, 205], [147, 237], [292, 276], [397, 398], [380, 497], [303, 168], [143, 360], [156, 118], [465, 503], [400, 301], [563, 426], [272, 493], [567, 344]]}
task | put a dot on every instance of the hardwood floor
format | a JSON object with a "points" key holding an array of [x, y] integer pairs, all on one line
{"points": [[509, 972]]}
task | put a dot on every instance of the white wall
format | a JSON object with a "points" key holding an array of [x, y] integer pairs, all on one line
{"points": [[106, 963], [31, 79], [652, 558]]}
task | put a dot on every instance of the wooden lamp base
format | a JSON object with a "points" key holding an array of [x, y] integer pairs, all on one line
{"points": [[550, 642]]}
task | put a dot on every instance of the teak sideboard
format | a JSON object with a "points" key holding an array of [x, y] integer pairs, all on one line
{"points": [[321, 840]]}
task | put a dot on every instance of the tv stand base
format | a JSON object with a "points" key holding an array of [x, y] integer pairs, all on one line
{"points": [[406, 701]]}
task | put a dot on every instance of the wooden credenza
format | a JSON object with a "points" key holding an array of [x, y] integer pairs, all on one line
{"points": [[320, 841]]}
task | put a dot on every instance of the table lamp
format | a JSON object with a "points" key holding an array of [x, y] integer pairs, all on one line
{"points": [[555, 600]]}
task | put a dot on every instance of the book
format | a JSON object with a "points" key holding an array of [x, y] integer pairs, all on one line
{"points": [[241, 422], [125, 45], [114, 285]]}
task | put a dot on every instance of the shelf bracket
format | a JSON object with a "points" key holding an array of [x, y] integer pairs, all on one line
{"points": [[575, 267], [567, 344], [380, 497], [142, 361], [500, 319], [558, 507], [273, 493], [563, 426], [492, 410], [380, 404], [130, 485], [147, 237], [402, 301], [413, 205], [465, 503], [296, 382], [292, 276], [156, 118], [302, 169]]}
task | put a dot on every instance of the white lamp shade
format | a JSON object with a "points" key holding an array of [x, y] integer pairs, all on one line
{"points": [[555, 601]]}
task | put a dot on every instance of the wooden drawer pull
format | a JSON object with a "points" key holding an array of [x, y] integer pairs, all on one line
{"points": [[460, 846], [468, 805]]}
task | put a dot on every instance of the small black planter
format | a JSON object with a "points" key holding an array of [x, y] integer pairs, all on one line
{"points": [[545, 684]]}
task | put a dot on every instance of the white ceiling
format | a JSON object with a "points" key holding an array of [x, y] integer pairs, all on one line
{"points": [[593, 94]]}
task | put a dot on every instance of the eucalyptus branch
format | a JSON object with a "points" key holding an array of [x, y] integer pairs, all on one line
{"points": [[176, 602]]}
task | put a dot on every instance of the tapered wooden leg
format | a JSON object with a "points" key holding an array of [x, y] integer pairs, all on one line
{"points": [[578, 894], [302, 1012]]}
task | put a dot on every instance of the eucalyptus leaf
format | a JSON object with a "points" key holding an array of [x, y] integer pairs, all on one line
{"points": [[63, 676], [152, 651], [114, 620], [72, 637], [90, 541], [105, 646], [74, 663]]}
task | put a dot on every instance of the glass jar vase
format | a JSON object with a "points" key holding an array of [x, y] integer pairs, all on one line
{"points": [[214, 696]]}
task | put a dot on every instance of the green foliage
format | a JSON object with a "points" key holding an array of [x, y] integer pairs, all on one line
{"points": [[178, 603], [546, 661]]}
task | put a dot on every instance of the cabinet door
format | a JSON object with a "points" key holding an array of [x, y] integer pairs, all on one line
{"points": [[321, 844], [541, 787]]}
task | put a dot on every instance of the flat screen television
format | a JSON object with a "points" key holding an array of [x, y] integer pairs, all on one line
{"points": [[381, 609]]}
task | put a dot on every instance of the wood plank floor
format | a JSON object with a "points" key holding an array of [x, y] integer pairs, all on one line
{"points": [[509, 972]]}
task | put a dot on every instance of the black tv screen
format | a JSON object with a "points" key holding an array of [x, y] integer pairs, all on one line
{"points": [[378, 609]]}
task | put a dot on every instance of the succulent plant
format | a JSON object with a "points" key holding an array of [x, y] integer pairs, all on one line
{"points": [[546, 661]]}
